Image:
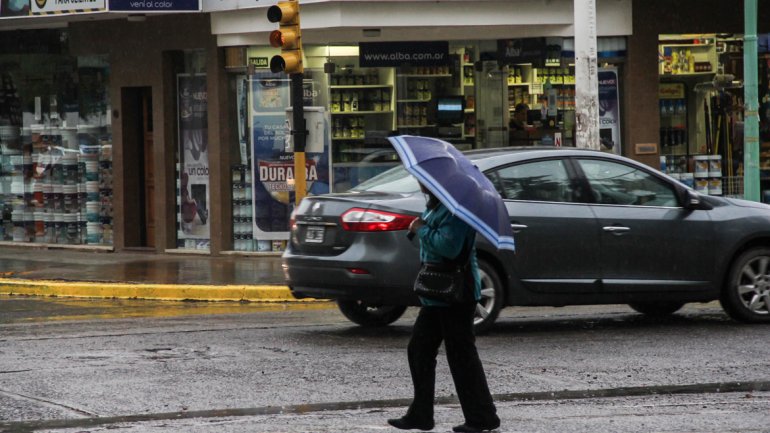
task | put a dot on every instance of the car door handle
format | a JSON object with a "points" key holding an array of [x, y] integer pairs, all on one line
{"points": [[518, 227], [616, 229]]}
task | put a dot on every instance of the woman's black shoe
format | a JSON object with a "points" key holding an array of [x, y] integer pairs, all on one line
{"points": [[468, 428], [405, 423]]}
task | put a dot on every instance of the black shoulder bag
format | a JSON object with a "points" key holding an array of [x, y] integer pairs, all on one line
{"points": [[448, 282]]}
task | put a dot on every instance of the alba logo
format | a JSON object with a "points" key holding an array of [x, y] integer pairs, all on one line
{"points": [[41, 3]]}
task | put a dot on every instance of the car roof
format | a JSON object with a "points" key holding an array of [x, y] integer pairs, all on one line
{"points": [[495, 156]]}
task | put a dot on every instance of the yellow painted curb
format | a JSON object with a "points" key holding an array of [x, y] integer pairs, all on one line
{"points": [[178, 292]]}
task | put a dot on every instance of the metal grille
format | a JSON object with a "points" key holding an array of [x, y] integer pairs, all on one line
{"points": [[732, 186]]}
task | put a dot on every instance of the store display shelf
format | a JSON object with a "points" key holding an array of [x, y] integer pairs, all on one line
{"points": [[469, 110], [363, 86], [354, 113], [412, 100], [688, 74], [468, 84], [414, 126], [686, 45], [518, 84], [347, 139], [424, 75]]}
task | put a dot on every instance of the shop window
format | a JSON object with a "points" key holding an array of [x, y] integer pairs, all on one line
{"points": [[701, 110], [55, 149], [263, 170], [193, 186]]}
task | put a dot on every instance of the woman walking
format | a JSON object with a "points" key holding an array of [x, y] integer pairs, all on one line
{"points": [[444, 237]]}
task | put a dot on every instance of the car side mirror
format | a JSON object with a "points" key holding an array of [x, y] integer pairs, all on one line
{"points": [[694, 201]]}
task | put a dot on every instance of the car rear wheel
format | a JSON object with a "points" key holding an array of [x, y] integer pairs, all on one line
{"points": [[656, 309], [370, 316], [492, 295], [746, 296]]}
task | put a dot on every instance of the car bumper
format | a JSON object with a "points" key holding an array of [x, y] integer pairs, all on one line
{"points": [[375, 272]]}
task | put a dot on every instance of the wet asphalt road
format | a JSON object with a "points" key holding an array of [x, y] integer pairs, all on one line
{"points": [[137, 366]]}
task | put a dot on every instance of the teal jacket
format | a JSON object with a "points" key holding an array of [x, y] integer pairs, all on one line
{"points": [[442, 238]]}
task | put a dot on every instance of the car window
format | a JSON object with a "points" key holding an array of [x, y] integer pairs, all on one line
{"points": [[616, 183], [396, 179], [535, 181]]}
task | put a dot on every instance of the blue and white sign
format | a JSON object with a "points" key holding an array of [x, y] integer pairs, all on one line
{"points": [[155, 5]]}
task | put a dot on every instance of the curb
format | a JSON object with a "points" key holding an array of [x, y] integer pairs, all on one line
{"points": [[169, 292]]}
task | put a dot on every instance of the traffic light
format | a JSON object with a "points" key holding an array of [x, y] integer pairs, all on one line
{"points": [[287, 38]]}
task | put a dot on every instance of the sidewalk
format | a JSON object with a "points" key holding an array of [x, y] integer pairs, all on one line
{"points": [[146, 275]]}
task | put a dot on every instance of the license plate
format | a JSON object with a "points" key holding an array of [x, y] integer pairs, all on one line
{"points": [[314, 234]]}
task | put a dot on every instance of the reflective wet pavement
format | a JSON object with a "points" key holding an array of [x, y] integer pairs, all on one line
{"points": [[139, 267]]}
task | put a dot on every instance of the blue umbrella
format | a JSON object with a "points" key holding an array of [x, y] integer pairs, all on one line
{"points": [[458, 184]]}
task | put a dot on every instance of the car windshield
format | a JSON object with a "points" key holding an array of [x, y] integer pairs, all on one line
{"points": [[397, 180]]}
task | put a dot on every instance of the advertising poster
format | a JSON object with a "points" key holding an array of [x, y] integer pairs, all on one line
{"points": [[14, 8], [609, 110], [52, 7], [273, 158], [269, 97], [193, 156], [155, 5]]}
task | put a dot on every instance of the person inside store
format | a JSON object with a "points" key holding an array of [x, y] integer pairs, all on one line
{"points": [[519, 120], [444, 237], [518, 128]]}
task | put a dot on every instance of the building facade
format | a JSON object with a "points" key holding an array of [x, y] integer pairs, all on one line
{"points": [[166, 131]]}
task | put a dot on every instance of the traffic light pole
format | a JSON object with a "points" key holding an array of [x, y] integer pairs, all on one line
{"points": [[299, 134]]}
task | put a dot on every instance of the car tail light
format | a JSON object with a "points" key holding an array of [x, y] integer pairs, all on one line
{"points": [[363, 220], [358, 271], [293, 219]]}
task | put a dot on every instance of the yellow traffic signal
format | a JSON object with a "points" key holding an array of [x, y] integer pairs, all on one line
{"points": [[287, 38]]}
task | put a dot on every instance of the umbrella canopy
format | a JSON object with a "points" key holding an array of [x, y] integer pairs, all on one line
{"points": [[458, 184]]}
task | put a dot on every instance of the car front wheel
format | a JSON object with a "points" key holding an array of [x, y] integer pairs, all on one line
{"points": [[492, 294], [746, 296], [370, 316]]}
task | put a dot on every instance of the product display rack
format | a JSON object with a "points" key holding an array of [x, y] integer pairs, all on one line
{"points": [[243, 210], [61, 192], [417, 88], [687, 54], [361, 101]]}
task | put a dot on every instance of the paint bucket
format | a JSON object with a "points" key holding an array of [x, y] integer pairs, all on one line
{"points": [[702, 185], [715, 186], [702, 165], [715, 166], [94, 232]]}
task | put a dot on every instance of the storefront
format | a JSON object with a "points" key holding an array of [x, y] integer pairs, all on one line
{"points": [[173, 136], [105, 133], [701, 111], [464, 92]]}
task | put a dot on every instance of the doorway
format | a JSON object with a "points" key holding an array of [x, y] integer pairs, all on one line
{"points": [[139, 209], [491, 105]]}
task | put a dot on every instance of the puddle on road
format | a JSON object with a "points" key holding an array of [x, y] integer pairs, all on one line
{"points": [[24, 309]]}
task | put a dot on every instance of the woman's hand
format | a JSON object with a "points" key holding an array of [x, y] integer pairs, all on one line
{"points": [[416, 224]]}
